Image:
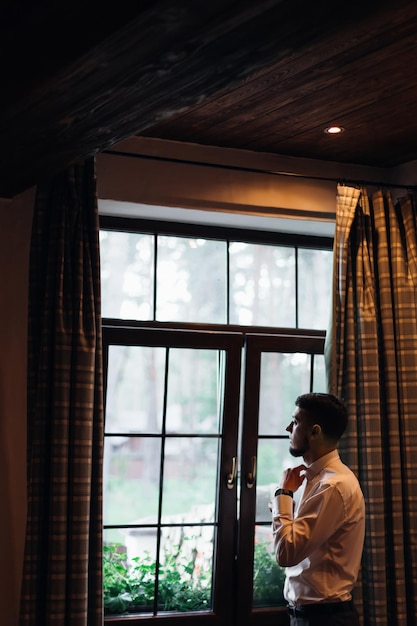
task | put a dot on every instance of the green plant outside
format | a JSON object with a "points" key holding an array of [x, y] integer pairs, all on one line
{"points": [[130, 589], [181, 586], [268, 578]]}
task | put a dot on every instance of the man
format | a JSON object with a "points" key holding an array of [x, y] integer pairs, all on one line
{"points": [[320, 541]]}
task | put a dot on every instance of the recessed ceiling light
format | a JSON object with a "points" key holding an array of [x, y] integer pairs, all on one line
{"points": [[334, 130]]}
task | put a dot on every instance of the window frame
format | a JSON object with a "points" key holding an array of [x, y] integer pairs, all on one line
{"points": [[182, 229], [264, 333]]}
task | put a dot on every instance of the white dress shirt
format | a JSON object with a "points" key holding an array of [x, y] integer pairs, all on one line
{"points": [[321, 542]]}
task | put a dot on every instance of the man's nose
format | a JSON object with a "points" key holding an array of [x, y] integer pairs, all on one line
{"points": [[289, 427]]}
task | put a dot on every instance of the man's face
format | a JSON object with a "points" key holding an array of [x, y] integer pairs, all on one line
{"points": [[299, 443]]}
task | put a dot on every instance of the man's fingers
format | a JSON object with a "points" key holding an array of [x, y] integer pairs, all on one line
{"points": [[301, 468]]}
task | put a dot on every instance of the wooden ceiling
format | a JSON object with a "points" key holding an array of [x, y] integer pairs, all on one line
{"points": [[264, 76]]}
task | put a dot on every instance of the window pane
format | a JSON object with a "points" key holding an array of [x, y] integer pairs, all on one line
{"points": [[186, 559], [319, 374], [184, 574], [135, 389], [273, 458], [190, 479], [193, 402], [131, 479], [126, 275], [315, 269], [283, 378], [262, 285], [268, 577], [129, 567], [177, 473], [191, 280]]}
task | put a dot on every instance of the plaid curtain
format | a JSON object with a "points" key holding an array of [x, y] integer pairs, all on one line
{"points": [[371, 357], [62, 574]]}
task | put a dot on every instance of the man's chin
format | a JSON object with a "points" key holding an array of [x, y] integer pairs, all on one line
{"points": [[296, 452]]}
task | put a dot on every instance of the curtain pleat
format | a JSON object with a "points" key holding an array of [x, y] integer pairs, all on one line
{"points": [[62, 574], [371, 359]]}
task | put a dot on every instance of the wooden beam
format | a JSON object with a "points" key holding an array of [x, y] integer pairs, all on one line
{"points": [[76, 83]]}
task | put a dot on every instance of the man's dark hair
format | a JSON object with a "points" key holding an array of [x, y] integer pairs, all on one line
{"points": [[327, 411]]}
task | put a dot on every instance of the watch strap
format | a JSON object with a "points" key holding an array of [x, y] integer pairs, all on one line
{"points": [[284, 492]]}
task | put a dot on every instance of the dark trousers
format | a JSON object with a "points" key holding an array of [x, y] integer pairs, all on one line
{"points": [[327, 618]]}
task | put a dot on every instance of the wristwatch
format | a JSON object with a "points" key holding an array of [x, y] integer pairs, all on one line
{"points": [[283, 492]]}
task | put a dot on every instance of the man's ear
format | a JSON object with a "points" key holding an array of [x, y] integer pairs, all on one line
{"points": [[315, 430]]}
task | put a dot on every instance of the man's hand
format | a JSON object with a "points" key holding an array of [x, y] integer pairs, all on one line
{"points": [[292, 478]]}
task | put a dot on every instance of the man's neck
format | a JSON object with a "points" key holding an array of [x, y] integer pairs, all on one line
{"points": [[314, 454]]}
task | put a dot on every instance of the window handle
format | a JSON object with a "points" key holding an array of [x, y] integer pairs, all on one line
{"points": [[250, 479], [232, 476]]}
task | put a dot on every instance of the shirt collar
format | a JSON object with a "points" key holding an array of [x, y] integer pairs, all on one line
{"points": [[317, 466]]}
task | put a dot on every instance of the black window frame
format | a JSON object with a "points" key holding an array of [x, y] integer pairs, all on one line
{"points": [[246, 235]]}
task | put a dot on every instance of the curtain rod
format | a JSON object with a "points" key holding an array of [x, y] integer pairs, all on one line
{"points": [[253, 170]]}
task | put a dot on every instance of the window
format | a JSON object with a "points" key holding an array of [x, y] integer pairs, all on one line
{"points": [[269, 280], [209, 335]]}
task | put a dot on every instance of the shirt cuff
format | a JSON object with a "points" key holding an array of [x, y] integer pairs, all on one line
{"points": [[282, 505]]}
